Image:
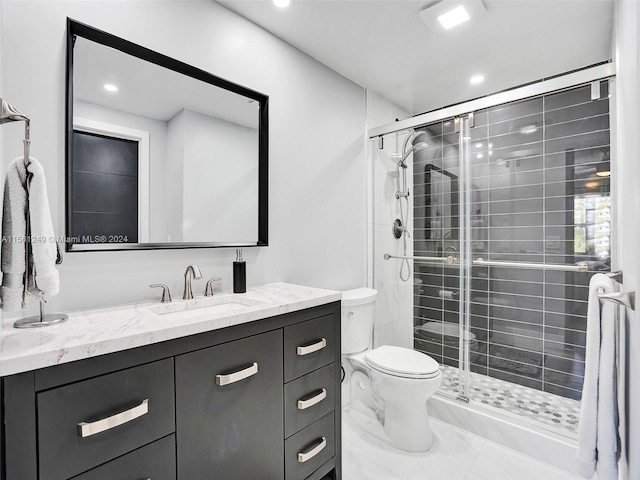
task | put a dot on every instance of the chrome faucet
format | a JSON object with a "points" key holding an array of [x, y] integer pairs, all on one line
{"points": [[192, 271]]}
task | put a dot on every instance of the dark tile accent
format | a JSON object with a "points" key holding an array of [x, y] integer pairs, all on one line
{"points": [[559, 320], [572, 366], [517, 379], [516, 192], [585, 140], [562, 391], [517, 288], [512, 360], [517, 125], [568, 337], [572, 307], [563, 351], [590, 109], [568, 98], [513, 110], [519, 206], [524, 343], [577, 127]]}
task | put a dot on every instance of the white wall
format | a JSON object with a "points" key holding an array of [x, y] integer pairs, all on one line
{"points": [[174, 179], [226, 154], [317, 165], [394, 303], [626, 173]]}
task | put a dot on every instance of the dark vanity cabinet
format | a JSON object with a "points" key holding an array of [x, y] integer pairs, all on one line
{"points": [[259, 400], [229, 410]]}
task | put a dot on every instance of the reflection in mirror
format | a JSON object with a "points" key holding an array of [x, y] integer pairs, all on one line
{"points": [[160, 154]]}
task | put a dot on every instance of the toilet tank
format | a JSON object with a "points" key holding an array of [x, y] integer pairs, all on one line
{"points": [[358, 309]]}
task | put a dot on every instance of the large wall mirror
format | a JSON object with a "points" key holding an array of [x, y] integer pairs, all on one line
{"points": [[160, 154]]}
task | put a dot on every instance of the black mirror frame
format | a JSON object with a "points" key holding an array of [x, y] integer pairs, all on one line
{"points": [[75, 28]]}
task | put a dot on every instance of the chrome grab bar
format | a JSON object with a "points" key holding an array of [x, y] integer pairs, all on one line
{"points": [[448, 260], [578, 267]]}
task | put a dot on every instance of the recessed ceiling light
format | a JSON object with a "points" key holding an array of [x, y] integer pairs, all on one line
{"points": [[453, 17], [479, 145], [109, 87], [476, 79], [442, 15], [281, 3]]}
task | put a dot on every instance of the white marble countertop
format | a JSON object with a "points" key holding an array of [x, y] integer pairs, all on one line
{"points": [[96, 332]]}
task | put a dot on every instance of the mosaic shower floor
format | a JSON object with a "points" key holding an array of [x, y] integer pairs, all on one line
{"points": [[546, 408]]}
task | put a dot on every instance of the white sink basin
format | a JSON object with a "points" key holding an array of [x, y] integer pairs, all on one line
{"points": [[204, 306]]}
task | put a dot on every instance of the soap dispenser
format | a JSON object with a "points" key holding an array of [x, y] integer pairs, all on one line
{"points": [[239, 273]]}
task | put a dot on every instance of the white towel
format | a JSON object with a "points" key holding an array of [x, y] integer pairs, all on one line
{"points": [[598, 439], [42, 277]]}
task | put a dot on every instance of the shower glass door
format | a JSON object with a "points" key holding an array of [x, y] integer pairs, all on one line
{"points": [[507, 190]]}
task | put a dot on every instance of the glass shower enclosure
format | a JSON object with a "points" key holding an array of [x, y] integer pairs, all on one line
{"points": [[511, 217]]}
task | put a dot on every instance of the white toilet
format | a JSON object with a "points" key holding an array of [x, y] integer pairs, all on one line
{"points": [[389, 386]]}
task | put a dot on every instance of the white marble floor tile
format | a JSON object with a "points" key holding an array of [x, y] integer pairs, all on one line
{"points": [[455, 444], [358, 466], [496, 462], [449, 464], [456, 455]]}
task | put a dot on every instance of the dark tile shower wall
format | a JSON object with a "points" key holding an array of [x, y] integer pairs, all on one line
{"points": [[535, 198]]}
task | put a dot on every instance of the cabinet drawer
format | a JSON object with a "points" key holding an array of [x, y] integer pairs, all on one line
{"points": [[310, 448], [308, 398], [229, 415], [88, 423], [156, 461], [308, 346]]}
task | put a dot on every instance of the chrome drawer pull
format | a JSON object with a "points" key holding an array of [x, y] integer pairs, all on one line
{"points": [[222, 380], [87, 429], [314, 347], [310, 402], [309, 454]]}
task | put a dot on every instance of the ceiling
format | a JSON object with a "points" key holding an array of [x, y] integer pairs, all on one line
{"points": [[95, 64], [383, 45]]}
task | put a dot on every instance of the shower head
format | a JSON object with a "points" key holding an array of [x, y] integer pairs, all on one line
{"points": [[412, 136], [10, 114], [416, 148]]}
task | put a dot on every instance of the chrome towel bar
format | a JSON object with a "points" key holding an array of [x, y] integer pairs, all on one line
{"points": [[448, 260], [627, 299]]}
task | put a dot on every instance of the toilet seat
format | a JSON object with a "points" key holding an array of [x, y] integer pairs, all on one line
{"points": [[402, 362]]}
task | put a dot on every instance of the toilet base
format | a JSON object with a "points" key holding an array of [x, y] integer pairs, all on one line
{"points": [[417, 439], [405, 427]]}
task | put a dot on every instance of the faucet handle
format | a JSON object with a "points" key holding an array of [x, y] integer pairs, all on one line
{"points": [[208, 291], [166, 294]]}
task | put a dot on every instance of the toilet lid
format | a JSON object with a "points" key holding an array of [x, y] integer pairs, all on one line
{"points": [[402, 362]]}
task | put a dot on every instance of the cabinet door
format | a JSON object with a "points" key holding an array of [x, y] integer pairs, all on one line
{"points": [[87, 423], [156, 461], [229, 417]]}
